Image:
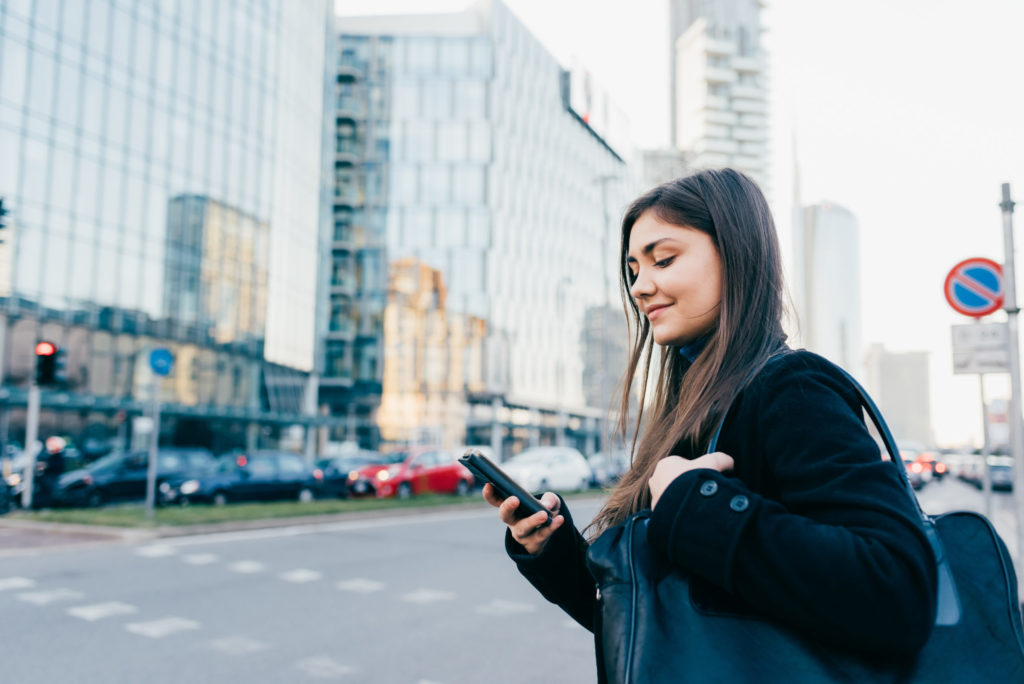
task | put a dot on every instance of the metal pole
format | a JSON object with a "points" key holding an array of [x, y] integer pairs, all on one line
{"points": [[1014, 417], [31, 434], [154, 441], [985, 449]]}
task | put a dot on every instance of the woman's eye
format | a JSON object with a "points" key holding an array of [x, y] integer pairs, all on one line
{"points": [[664, 262]]}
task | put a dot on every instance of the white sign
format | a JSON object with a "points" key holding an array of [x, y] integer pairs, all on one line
{"points": [[981, 348]]}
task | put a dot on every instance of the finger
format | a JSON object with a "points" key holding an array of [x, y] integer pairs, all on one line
{"points": [[551, 501], [530, 525], [507, 510], [532, 533], [717, 460], [491, 496]]}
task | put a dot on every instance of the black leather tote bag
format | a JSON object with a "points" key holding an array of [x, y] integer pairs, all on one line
{"points": [[653, 629]]}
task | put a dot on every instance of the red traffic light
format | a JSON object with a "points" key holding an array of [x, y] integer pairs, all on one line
{"points": [[45, 349]]}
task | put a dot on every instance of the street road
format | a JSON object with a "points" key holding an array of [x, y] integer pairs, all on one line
{"points": [[428, 599], [423, 599]]}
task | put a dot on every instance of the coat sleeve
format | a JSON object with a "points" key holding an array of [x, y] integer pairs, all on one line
{"points": [[560, 571], [840, 552]]}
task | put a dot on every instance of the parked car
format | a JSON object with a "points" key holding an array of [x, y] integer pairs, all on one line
{"points": [[364, 481], [121, 476], [340, 471], [425, 470], [549, 468], [260, 476], [608, 467], [1001, 470]]}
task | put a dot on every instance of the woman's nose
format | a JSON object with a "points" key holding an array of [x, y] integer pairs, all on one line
{"points": [[642, 286]]}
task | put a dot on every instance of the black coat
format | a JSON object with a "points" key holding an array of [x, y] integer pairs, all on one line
{"points": [[812, 528]]}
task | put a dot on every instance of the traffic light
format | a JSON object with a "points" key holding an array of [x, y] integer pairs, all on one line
{"points": [[49, 364]]}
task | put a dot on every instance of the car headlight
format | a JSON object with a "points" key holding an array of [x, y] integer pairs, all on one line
{"points": [[353, 475], [189, 487], [383, 475], [14, 479]]}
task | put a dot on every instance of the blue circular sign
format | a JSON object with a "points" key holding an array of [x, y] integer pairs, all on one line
{"points": [[161, 361], [974, 287]]}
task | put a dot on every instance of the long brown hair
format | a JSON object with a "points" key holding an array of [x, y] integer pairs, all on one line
{"points": [[686, 404]]}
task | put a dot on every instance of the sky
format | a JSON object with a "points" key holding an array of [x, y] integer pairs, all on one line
{"points": [[909, 113]]}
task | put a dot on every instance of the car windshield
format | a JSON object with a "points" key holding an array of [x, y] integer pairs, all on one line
{"points": [[108, 461], [391, 459]]}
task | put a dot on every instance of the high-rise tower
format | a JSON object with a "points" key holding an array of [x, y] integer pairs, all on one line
{"points": [[718, 83]]}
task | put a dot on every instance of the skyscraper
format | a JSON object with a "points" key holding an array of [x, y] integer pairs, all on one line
{"points": [[826, 283], [489, 162], [899, 383], [164, 168], [718, 85]]}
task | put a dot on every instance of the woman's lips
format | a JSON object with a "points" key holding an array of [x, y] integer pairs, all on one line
{"points": [[653, 312]]}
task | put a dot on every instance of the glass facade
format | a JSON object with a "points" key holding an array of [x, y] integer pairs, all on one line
{"points": [[491, 181], [164, 167]]}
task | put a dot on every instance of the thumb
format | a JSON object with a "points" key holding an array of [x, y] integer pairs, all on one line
{"points": [[716, 461]]}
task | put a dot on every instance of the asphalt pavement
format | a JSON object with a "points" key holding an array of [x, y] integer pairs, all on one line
{"points": [[424, 599]]}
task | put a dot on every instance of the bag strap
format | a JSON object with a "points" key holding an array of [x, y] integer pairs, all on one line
{"points": [[870, 408], [948, 608]]}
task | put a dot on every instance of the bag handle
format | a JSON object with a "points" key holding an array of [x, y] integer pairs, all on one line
{"points": [[948, 609], [870, 408]]}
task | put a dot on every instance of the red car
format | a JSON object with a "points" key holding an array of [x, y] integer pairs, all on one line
{"points": [[424, 470]]}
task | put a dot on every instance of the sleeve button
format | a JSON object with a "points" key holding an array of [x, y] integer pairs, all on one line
{"points": [[709, 488], [739, 503]]}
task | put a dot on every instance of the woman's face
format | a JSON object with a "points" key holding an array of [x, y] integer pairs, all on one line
{"points": [[677, 279]]}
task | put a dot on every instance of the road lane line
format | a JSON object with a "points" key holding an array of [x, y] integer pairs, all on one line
{"points": [[360, 585], [247, 567], [344, 526], [324, 667], [9, 583], [155, 551], [98, 611], [424, 596], [502, 607], [43, 598], [200, 558], [157, 629], [301, 575], [237, 645]]}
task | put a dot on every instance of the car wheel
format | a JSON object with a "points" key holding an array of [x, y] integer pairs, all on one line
{"points": [[305, 495], [462, 489], [219, 498], [94, 500], [405, 491]]}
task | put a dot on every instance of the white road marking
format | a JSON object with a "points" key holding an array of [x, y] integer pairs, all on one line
{"points": [[502, 607], [424, 596], [98, 611], [299, 576], [237, 645], [323, 667], [344, 526], [8, 583], [42, 598], [199, 558], [161, 628], [156, 551], [360, 585], [247, 567]]}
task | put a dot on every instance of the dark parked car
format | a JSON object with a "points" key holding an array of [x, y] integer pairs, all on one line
{"points": [[339, 472], [261, 476], [121, 476]]}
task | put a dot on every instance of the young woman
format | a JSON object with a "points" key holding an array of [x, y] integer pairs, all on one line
{"points": [[795, 517]]}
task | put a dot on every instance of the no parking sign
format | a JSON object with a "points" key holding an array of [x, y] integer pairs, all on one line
{"points": [[974, 287]]}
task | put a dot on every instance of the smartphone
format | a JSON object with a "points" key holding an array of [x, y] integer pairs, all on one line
{"points": [[485, 470]]}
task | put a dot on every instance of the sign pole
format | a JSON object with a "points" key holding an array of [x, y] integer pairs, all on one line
{"points": [[1016, 445], [31, 434], [985, 448], [154, 441]]}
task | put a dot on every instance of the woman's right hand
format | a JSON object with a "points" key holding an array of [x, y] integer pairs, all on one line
{"points": [[528, 531]]}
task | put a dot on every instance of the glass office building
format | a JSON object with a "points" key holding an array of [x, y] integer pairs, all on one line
{"points": [[165, 168], [481, 165]]}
